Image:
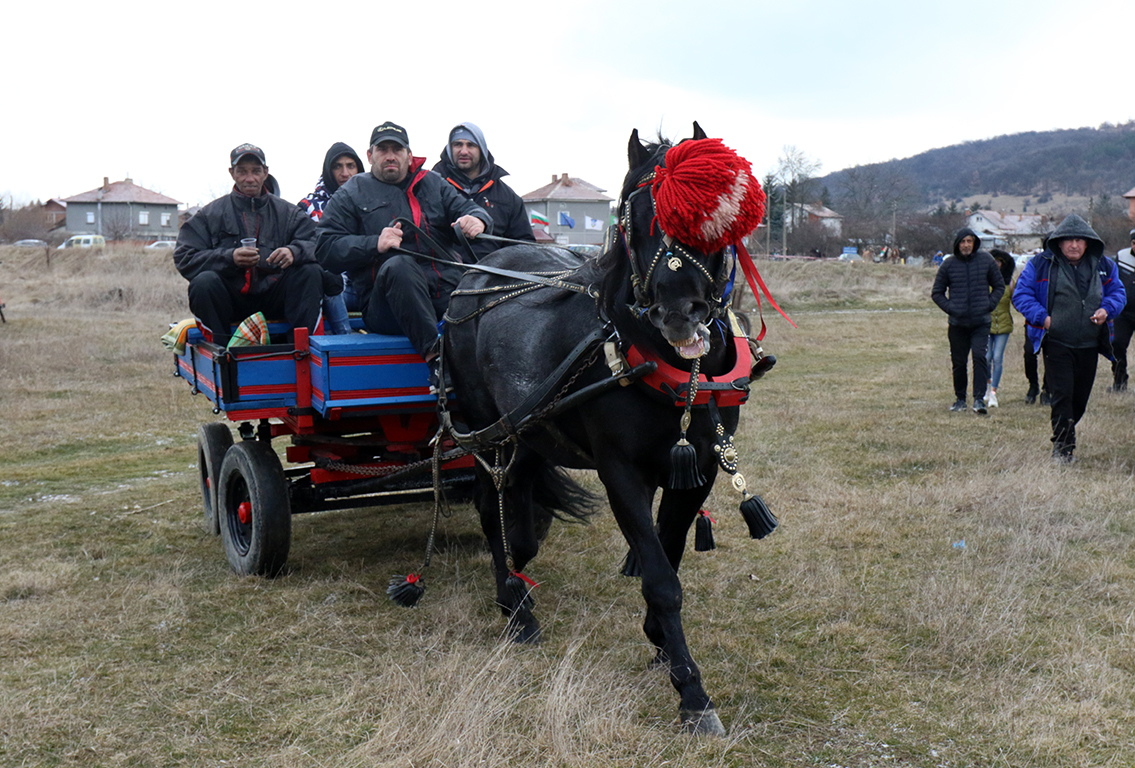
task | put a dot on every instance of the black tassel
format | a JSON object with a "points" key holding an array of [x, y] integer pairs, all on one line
{"points": [[758, 516], [520, 586], [684, 472], [631, 566], [407, 591], [703, 533]]}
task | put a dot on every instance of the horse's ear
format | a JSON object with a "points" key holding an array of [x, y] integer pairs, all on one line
{"points": [[698, 132], [636, 152]]}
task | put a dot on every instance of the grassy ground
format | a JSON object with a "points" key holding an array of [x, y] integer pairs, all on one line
{"points": [[862, 633]]}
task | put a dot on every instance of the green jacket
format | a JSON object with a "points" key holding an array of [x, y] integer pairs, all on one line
{"points": [[1002, 316]]}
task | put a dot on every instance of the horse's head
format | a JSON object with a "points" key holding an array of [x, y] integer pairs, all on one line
{"points": [[681, 209]]}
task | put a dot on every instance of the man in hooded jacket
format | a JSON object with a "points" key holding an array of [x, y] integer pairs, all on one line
{"points": [[1067, 294], [468, 165], [967, 288], [339, 164]]}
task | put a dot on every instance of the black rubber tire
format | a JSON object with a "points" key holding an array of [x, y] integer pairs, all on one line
{"points": [[213, 441], [251, 473]]}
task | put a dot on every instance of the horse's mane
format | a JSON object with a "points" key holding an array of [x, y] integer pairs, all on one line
{"points": [[614, 264]]}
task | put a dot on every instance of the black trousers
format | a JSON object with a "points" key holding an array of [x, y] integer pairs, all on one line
{"points": [[1069, 374], [967, 341], [296, 297], [1123, 327], [409, 298]]}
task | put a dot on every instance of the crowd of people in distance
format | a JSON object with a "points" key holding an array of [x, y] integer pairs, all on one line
{"points": [[1074, 302], [341, 248]]}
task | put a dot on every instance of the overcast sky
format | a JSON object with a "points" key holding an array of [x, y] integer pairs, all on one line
{"points": [[160, 92]]}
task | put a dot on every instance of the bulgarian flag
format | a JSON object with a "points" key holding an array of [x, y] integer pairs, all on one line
{"points": [[537, 219]]}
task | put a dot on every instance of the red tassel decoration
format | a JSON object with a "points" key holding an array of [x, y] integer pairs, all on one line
{"points": [[406, 591]]}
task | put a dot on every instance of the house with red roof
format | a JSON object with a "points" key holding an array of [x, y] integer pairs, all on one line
{"points": [[570, 210], [122, 210]]}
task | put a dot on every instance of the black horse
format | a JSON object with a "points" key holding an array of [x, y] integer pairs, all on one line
{"points": [[502, 344]]}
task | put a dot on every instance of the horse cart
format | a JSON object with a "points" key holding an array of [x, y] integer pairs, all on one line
{"points": [[360, 418]]}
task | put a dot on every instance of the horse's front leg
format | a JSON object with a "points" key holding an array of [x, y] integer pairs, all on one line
{"points": [[630, 496]]}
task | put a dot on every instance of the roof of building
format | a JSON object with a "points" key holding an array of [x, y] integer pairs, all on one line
{"points": [[820, 212], [125, 191], [55, 203], [564, 187], [1002, 223], [1129, 193]]}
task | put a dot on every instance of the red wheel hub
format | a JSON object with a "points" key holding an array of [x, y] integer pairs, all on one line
{"points": [[244, 512]]}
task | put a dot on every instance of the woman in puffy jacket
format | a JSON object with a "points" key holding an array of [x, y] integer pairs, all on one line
{"points": [[1001, 325]]}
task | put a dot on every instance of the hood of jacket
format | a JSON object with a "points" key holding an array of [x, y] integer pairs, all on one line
{"points": [[966, 232], [1074, 226], [489, 169], [338, 149]]}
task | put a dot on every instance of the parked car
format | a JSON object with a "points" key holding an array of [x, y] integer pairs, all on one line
{"points": [[162, 244], [30, 244], [850, 257], [83, 241]]}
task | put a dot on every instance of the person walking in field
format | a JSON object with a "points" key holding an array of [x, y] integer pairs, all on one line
{"points": [[1067, 295], [1125, 321], [1001, 326], [967, 288]]}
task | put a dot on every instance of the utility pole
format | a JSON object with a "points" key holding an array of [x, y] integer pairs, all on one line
{"points": [[784, 220]]}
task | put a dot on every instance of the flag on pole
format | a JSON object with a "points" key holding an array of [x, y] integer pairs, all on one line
{"points": [[590, 223], [566, 221], [538, 220]]}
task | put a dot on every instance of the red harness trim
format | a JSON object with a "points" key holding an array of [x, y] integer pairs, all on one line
{"points": [[667, 379], [754, 278]]}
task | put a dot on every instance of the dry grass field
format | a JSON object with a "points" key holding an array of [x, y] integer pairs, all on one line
{"points": [[863, 632]]}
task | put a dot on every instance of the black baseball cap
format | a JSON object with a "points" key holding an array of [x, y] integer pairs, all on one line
{"points": [[389, 131], [243, 151]]}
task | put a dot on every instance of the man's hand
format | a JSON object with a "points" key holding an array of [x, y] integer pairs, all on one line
{"points": [[1100, 316], [1047, 322], [471, 226], [391, 237], [282, 258], [246, 258]]}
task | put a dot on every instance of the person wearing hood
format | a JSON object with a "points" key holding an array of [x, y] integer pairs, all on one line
{"points": [[1067, 295], [1000, 328], [967, 288], [468, 165], [276, 274], [339, 164], [1125, 320], [400, 293]]}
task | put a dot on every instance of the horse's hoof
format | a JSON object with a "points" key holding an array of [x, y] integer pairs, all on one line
{"points": [[705, 723], [526, 634]]}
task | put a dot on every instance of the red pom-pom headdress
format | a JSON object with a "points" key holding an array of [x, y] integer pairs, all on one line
{"points": [[706, 196]]}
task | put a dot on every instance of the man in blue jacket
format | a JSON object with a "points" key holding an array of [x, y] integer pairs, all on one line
{"points": [[1067, 295], [967, 288]]}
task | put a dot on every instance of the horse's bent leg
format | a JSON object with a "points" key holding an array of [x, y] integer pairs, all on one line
{"points": [[676, 513], [512, 594], [630, 501]]}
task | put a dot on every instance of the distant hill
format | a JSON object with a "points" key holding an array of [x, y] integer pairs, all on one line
{"points": [[1041, 165]]}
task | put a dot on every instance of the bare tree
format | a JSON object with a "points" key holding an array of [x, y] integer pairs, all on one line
{"points": [[796, 173], [870, 197], [117, 224]]}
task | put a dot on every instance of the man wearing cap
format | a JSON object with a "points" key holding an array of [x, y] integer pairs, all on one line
{"points": [[228, 281], [400, 294], [1067, 294], [468, 165], [1125, 321]]}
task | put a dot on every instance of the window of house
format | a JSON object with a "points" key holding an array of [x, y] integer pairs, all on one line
{"points": [[143, 218], [90, 217], [166, 219]]}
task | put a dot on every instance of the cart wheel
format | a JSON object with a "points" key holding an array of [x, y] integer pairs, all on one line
{"points": [[254, 509], [213, 440]]}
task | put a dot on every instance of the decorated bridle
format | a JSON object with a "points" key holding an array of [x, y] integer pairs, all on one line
{"points": [[671, 252]]}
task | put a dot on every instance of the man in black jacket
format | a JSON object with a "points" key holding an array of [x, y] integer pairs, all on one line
{"points": [[400, 294], [228, 281], [468, 165], [967, 288], [1124, 322]]}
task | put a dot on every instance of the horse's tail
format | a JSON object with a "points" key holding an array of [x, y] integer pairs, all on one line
{"points": [[556, 494]]}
